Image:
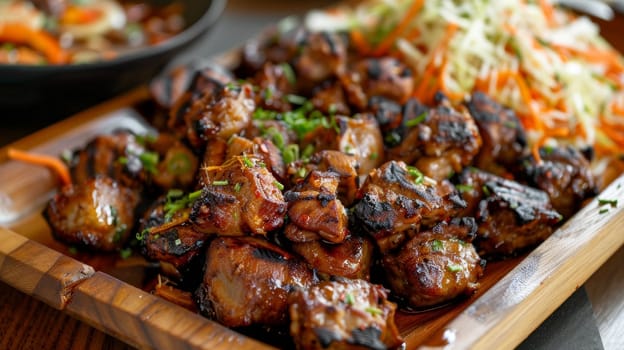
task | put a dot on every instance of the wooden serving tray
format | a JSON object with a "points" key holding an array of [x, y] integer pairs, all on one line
{"points": [[516, 295]]}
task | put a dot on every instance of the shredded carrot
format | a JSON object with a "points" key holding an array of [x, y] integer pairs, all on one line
{"points": [[430, 80], [549, 12], [53, 163], [360, 42], [39, 40], [383, 47]]}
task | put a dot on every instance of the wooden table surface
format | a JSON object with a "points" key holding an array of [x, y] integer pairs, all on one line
{"points": [[26, 323]]}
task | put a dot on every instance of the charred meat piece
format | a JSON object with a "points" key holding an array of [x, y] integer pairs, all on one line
{"points": [[358, 136], [433, 268], [395, 200], [510, 216], [190, 80], [214, 155], [344, 165], [320, 56], [272, 45], [439, 142], [330, 98], [97, 214], [386, 77], [247, 281], [239, 197], [350, 259], [564, 174], [504, 138], [121, 156], [344, 314], [315, 211], [388, 113], [259, 147], [274, 83], [170, 239], [219, 115]]}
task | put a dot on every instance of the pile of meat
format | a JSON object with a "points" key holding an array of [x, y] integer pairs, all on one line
{"points": [[307, 189]]}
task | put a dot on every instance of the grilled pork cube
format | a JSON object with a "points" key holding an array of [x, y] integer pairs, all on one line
{"points": [[274, 83], [350, 259], [187, 82], [388, 113], [504, 138], [337, 162], [395, 200], [439, 142], [320, 56], [121, 156], [358, 136], [432, 268], [169, 238], [386, 77], [247, 282], [344, 314], [315, 211], [239, 197], [564, 174], [330, 98], [96, 214], [510, 216], [219, 115]]}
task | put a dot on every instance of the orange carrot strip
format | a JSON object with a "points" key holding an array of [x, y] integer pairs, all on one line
{"points": [[390, 39], [426, 89], [39, 40], [53, 163], [455, 96], [549, 12], [360, 42]]}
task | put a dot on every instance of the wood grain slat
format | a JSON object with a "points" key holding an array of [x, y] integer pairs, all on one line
{"points": [[38, 270], [147, 321]]}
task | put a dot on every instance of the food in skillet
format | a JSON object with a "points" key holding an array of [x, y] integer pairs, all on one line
{"points": [[35, 32], [326, 179]]}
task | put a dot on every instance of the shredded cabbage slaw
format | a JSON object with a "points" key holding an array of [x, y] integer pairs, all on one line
{"points": [[551, 66]]}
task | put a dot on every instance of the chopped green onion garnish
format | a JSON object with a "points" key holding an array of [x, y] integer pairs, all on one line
{"points": [[464, 188], [278, 185], [141, 235], [194, 195], [291, 153], [122, 160], [373, 156], [419, 177], [373, 310], [603, 211], [486, 190], [307, 151], [248, 162], [349, 299], [268, 93], [611, 202], [125, 253], [454, 268], [295, 99], [220, 183], [419, 119], [178, 242], [436, 245], [149, 161], [289, 73], [237, 187]]}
